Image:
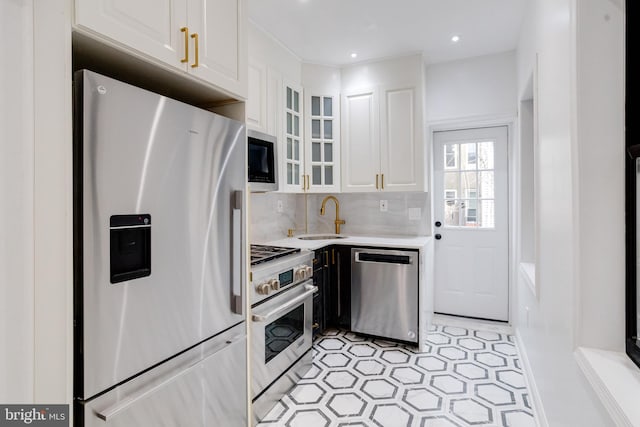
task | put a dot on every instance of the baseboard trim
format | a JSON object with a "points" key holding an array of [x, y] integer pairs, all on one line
{"points": [[538, 408], [608, 400]]}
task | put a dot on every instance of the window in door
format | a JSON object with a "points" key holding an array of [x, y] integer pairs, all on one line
{"points": [[451, 156], [473, 178]]}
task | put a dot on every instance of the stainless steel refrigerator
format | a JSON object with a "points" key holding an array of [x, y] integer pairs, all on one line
{"points": [[160, 332]]}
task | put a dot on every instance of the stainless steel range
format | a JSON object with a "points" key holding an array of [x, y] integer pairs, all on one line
{"points": [[281, 305]]}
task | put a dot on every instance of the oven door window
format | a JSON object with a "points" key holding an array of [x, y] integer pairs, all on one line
{"points": [[282, 332]]}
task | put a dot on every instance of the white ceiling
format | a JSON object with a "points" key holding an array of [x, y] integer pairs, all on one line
{"points": [[328, 31]]}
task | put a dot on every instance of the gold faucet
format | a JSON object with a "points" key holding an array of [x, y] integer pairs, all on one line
{"points": [[338, 221]]}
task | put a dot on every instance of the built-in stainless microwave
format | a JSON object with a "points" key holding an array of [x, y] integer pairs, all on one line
{"points": [[262, 158]]}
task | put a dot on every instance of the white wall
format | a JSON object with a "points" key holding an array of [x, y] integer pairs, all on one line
{"points": [[321, 78], [547, 324], [400, 70], [478, 87], [16, 201], [600, 140], [268, 51], [36, 184]]}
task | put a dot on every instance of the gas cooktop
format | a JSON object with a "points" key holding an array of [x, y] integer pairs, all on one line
{"points": [[264, 253]]}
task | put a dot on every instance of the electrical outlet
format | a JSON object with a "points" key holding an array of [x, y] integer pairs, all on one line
{"points": [[279, 206], [383, 206], [414, 214]]}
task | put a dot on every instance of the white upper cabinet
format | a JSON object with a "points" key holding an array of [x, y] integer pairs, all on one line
{"points": [[256, 105], [292, 147], [322, 142], [205, 38], [220, 26], [383, 144], [401, 144], [361, 141]]}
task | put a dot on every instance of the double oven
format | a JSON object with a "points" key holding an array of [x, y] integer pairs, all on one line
{"points": [[281, 322]]}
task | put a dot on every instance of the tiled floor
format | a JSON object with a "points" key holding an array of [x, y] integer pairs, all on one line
{"points": [[469, 377]]}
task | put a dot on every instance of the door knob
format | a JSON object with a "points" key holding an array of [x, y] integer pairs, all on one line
{"points": [[438, 224], [438, 236]]}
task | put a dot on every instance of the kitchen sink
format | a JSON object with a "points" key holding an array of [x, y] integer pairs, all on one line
{"points": [[322, 237]]}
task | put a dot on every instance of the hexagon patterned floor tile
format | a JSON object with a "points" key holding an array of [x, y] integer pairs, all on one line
{"points": [[467, 378]]}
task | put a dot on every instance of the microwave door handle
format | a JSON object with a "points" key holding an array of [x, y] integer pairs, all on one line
{"points": [[237, 253]]}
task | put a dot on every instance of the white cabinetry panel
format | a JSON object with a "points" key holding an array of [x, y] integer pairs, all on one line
{"points": [[149, 26], [220, 25], [400, 142], [383, 144], [256, 105], [171, 31], [361, 143]]}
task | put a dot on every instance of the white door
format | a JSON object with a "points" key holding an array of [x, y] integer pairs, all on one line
{"points": [[471, 223]]}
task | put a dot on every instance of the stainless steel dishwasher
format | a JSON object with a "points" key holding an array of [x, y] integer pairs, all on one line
{"points": [[384, 293]]}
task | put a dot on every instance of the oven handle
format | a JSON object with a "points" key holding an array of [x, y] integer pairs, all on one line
{"points": [[310, 290]]}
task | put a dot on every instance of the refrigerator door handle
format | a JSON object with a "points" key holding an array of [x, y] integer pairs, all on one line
{"points": [[109, 413], [237, 253]]}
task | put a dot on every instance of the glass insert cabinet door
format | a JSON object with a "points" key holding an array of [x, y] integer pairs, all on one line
{"points": [[293, 131], [322, 142]]}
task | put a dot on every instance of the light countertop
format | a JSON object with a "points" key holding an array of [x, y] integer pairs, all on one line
{"points": [[408, 242]]}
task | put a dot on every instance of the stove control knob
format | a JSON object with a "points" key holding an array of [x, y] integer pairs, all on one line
{"points": [[303, 272], [309, 271], [263, 289], [298, 273], [275, 284]]}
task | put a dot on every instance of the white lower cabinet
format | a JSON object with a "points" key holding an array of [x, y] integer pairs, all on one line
{"points": [[383, 144], [205, 38]]}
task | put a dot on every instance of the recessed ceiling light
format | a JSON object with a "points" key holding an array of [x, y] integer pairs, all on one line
{"points": [[354, 55], [455, 39]]}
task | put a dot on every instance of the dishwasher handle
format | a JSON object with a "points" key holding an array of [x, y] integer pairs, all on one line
{"points": [[362, 257]]}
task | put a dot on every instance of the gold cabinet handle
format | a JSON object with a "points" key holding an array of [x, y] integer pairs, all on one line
{"points": [[185, 30], [382, 180], [376, 181], [308, 182], [304, 182], [194, 36]]}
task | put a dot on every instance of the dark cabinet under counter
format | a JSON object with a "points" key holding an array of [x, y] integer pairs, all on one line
{"points": [[332, 275], [319, 280]]}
